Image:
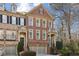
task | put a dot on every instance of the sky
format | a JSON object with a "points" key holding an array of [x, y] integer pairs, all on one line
{"points": [[26, 7], [22, 7]]}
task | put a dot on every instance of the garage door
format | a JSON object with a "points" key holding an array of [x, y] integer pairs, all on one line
{"points": [[39, 50], [10, 51]]}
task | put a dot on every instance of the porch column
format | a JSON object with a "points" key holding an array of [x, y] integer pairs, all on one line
{"points": [[25, 42]]}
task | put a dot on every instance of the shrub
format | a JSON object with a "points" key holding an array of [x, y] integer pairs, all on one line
{"points": [[71, 49], [65, 51], [20, 46], [28, 53]]}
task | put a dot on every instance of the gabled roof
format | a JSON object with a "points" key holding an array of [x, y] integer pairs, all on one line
{"points": [[47, 8]]}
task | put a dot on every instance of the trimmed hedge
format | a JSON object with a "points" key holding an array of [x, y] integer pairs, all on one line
{"points": [[28, 53]]}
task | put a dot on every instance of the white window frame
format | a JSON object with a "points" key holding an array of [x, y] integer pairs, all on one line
{"points": [[13, 20], [41, 10], [38, 24], [44, 32], [38, 31], [44, 25], [30, 30], [21, 21], [1, 34], [9, 35], [30, 21], [4, 18]]}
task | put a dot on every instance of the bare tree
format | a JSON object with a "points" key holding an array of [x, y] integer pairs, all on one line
{"points": [[66, 9]]}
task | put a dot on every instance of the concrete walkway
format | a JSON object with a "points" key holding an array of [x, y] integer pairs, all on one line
{"points": [[46, 55]]}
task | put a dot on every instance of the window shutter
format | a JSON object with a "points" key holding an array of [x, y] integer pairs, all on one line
{"points": [[0, 18], [10, 19]]}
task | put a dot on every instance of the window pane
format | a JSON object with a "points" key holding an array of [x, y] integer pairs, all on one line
{"points": [[1, 34], [13, 20], [11, 35], [22, 21], [44, 34], [31, 33], [44, 23], [4, 19], [38, 34], [38, 22], [30, 21]]}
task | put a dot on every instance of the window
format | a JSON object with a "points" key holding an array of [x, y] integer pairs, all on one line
{"points": [[4, 19], [38, 22], [22, 21], [44, 23], [13, 20], [31, 33], [49, 25], [41, 11], [1, 34], [30, 21], [11, 35], [0, 18], [38, 34], [44, 35]]}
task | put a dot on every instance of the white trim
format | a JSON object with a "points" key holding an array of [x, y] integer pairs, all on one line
{"points": [[44, 32], [13, 20], [38, 31], [4, 18], [45, 23], [38, 24], [21, 21], [31, 30], [30, 21]]}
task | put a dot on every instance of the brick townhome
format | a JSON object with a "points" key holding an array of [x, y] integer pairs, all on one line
{"points": [[33, 28]]}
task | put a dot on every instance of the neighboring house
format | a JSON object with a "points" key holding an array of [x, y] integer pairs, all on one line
{"points": [[33, 28], [39, 21]]}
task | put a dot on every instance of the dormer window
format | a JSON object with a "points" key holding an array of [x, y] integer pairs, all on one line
{"points": [[2, 6], [41, 11]]}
